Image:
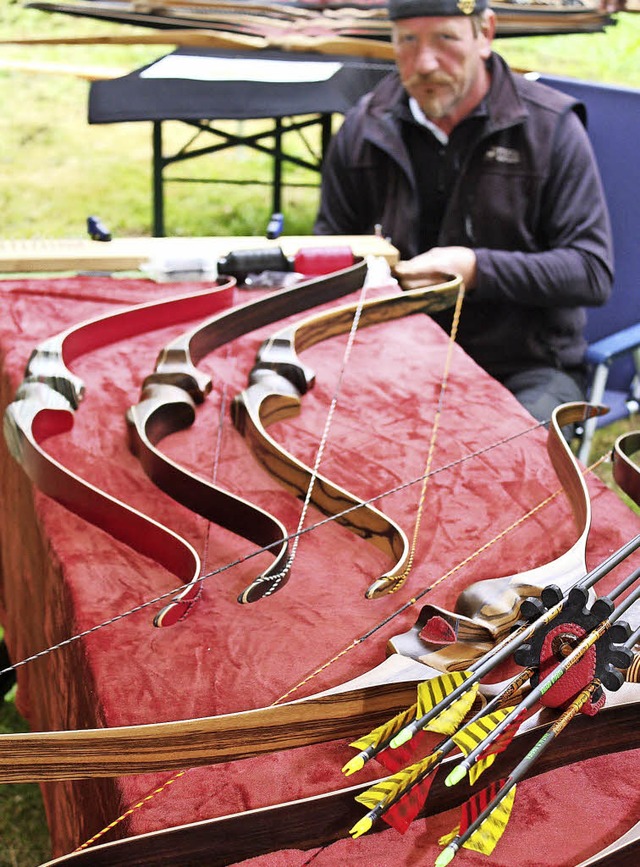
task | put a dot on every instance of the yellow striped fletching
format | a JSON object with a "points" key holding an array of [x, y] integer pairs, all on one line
{"points": [[485, 838], [397, 799], [468, 738], [383, 733], [449, 720], [432, 693]]}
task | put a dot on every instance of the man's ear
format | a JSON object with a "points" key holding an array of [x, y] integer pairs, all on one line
{"points": [[487, 32]]}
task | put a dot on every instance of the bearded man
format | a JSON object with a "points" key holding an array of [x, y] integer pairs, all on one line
{"points": [[469, 168]]}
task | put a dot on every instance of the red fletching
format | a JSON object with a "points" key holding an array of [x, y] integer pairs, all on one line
{"points": [[402, 814], [420, 745], [502, 741], [477, 803], [437, 631]]}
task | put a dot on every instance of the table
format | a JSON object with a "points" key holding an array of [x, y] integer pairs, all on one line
{"points": [[60, 575], [200, 87]]}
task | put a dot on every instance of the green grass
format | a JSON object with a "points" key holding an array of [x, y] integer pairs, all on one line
{"points": [[24, 838], [55, 170], [610, 57]]}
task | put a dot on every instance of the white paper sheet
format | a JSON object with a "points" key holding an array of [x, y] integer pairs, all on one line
{"points": [[196, 68]]}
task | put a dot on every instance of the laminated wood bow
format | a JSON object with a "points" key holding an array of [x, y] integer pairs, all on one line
{"points": [[276, 385], [50, 393], [169, 397]]}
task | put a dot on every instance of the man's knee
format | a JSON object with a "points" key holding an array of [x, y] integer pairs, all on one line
{"points": [[541, 390]]}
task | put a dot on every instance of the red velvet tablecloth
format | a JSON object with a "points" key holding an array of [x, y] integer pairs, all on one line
{"points": [[61, 575]]}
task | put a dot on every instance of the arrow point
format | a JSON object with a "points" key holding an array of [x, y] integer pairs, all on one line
{"points": [[457, 774], [445, 857]]}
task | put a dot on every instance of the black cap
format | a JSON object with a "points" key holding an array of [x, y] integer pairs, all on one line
{"points": [[434, 8]]}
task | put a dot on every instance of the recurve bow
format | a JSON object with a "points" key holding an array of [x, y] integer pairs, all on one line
{"points": [[44, 406], [168, 400], [276, 384]]}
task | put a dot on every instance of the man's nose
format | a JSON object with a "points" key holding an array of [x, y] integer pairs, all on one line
{"points": [[426, 60]]}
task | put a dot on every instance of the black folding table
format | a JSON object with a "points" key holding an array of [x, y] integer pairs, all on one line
{"points": [[200, 87]]}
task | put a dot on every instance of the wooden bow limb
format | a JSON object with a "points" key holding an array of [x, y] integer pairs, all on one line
{"points": [[164, 409], [487, 610], [338, 713], [40, 412], [44, 406], [276, 384], [167, 405], [50, 360], [323, 819]]}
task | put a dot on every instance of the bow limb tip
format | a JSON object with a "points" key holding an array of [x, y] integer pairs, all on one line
{"points": [[594, 410], [392, 540], [176, 611], [265, 585], [385, 585]]}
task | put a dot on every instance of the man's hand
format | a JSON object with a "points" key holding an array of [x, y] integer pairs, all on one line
{"points": [[428, 267]]}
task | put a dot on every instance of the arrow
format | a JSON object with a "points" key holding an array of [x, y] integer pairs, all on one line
{"points": [[411, 784], [485, 816]]}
